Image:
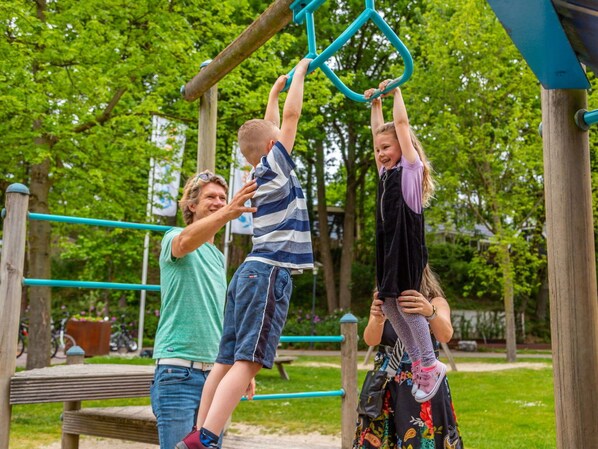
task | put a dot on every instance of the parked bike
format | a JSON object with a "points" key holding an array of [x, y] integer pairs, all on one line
{"points": [[22, 339], [61, 341], [121, 339]]}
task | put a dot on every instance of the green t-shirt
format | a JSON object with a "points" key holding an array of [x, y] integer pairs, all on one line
{"points": [[193, 291]]}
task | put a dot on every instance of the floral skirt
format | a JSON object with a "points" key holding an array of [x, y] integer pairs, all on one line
{"points": [[406, 424]]}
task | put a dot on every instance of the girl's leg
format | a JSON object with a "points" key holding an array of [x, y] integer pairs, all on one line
{"points": [[393, 313]]}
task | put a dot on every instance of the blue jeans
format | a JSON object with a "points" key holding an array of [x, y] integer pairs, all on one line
{"points": [[175, 394]]}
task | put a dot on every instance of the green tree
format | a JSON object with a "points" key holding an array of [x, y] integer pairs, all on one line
{"points": [[80, 82]]}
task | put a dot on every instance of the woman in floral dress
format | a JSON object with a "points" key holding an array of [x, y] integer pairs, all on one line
{"points": [[405, 423]]}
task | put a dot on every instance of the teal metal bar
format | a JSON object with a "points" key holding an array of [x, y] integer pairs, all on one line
{"points": [[584, 119], [96, 222], [304, 10], [307, 394], [312, 339], [301, 8], [86, 284]]}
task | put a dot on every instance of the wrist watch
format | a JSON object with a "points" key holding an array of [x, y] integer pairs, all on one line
{"points": [[431, 317]]}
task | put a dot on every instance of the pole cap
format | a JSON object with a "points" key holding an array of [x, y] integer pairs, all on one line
{"points": [[75, 351], [348, 318], [18, 188]]}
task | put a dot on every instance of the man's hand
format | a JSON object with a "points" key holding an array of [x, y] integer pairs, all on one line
{"points": [[237, 206]]}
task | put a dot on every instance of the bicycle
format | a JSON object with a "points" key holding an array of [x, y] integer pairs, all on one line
{"points": [[22, 339], [60, 341], [121, 340]]}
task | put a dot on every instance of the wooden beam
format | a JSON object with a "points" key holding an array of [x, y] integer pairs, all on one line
{"points": [[260, 31], [11, 278], [571, 269]]}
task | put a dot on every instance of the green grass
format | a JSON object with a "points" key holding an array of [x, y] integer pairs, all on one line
{"points": [[508, 409]]}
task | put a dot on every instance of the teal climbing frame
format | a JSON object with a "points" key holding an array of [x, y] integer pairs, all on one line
{"points": [[303, 10]]}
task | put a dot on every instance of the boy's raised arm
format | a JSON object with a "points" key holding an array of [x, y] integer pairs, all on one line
{"points": [[292, 106], [272, 110]]}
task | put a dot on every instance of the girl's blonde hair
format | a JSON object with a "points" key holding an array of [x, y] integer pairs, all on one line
{"points": [[428, 181], [192, 190], [430, 286]]}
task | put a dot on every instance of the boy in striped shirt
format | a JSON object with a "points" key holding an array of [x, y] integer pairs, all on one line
{"points": [[259, 293]]}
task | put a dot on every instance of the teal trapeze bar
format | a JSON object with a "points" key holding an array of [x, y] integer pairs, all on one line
{"points": [[87, 284], [303, 11], [307, 394], [312, 339], [96, 222]]}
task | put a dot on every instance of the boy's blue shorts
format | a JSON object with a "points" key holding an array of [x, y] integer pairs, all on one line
{"points": [[257, 302]]}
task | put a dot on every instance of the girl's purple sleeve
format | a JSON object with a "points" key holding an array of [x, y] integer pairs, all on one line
{"points": [[412, 184]]}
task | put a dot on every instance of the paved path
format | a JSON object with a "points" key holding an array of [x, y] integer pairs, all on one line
{"points": [[265, 441]]}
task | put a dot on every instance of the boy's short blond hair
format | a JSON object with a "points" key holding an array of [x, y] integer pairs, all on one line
{"points": [[254, 135]]}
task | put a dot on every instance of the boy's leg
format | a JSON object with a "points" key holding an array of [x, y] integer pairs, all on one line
{"points": [[217, 373], [228, 394]]}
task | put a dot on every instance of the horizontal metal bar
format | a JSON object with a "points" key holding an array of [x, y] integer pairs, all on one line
{"points": [[307, 394], [313, 339], [85, 284], [96, 222], [591, 117]]}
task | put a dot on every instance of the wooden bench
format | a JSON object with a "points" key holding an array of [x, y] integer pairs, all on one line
{"points": [[280, 362], [72, 384], [133, 423]]}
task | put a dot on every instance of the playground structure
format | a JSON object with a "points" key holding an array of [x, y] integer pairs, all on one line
{"points": [[78, 386], [554, 44]]}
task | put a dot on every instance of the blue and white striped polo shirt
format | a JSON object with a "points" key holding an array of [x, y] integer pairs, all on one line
{"points": [[281, 233]]}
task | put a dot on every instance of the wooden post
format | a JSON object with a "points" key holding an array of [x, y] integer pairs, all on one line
{"points": [[208, 124], [571, 269], [449, 356], [74, 356], [348, 380], [270, 22], [11, 279]]}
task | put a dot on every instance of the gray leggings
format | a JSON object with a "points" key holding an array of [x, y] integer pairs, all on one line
{"points": [[413, 331]]}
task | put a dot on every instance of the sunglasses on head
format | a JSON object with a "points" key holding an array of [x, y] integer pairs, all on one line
{"points": [[208, 176]]}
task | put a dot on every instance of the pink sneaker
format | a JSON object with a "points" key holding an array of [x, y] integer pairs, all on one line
{"points": [[415, 372], [430, 379], [191, 441]]}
